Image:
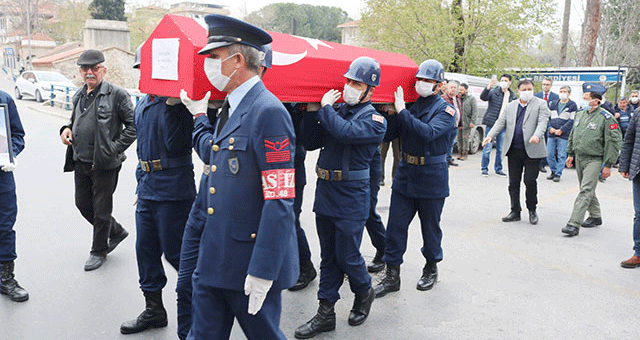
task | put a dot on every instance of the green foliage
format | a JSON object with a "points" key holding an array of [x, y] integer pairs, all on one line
{"points": [[496, 32], [68, 22], [107, 10], [318, 22], [142, 22]]}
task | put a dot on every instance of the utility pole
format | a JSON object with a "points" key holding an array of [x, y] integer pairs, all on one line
{"points": [[30, 66]]}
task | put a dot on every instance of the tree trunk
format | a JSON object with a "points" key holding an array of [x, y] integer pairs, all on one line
{"points": [[565, 33], [457, 64], [590, 29]]}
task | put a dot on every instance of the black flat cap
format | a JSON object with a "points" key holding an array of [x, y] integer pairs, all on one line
{"points": [[225, 30], [90, 58]]}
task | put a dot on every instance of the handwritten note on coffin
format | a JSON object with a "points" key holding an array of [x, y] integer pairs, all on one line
{"points": [[164, 64]]}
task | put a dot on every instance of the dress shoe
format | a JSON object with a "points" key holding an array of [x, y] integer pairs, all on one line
{"points": [[429, 276], [551, 176], [556, 179], [533, 217], [390, 282], [513, 216], [376, 264], [9, 286], [307, 274], [543, 169], [154, 315], [361, 307], [633, 262], [114, 241], [323, 321], [94, 262], [452, 163], [570, 230], [501, 173], [592, 222]]}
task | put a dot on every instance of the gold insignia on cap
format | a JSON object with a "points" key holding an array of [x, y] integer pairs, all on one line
{"points": [[588, 86], [373, 77]]}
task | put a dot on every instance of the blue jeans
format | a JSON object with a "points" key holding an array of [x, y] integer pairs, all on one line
{"points": [[636, 216], [454, 134], [556, 163], [486, 152]]}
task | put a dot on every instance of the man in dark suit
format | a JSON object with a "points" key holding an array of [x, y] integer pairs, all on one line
{"points": [[248, 249], [548, 96]]}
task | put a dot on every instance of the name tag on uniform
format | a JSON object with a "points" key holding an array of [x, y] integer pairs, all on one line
{"points": [[592, 126]]}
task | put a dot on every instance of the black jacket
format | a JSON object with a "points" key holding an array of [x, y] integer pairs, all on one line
{"points": [[630, 153], [114, 130], [494, 97]]}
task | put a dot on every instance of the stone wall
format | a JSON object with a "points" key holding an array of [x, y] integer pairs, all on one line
{"points": [[106, 33]]}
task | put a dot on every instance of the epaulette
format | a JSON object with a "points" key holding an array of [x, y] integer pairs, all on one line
{"points": [[606, 114]]}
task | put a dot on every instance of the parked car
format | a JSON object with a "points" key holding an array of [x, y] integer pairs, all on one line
{"points": [[37, 84], [476, 85]]}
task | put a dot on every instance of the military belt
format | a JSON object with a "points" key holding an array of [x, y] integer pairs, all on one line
{"points": [[164, 164], [423, 160], [339, 175]]}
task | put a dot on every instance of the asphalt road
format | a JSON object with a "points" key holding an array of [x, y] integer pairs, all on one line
{"points": [[497, 281]]}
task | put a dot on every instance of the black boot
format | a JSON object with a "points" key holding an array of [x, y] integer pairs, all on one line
{"points": [[377, 264], [429, 276], [323, 321], [307, 274], [9, 285], [361, 307], [390, 282], [154, 315]]}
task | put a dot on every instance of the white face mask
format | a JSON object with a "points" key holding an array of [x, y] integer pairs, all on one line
{"points": [[213, 70], [351, 95], [526, 95], [634, 100], [563, 96], [504, 85], [424, 88]]}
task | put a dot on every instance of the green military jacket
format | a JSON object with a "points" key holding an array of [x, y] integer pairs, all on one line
{"points": [[595, 134]]}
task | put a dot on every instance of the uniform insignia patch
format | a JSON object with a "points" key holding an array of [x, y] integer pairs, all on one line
{"points": [[279, 151], [613, 126], [278, 184], [451, 110], [234, 165], [377, 118]]}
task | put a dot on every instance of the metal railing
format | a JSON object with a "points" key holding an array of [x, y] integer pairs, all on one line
{"points": [[62, 95]]}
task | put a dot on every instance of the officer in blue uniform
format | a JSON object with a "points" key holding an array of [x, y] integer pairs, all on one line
{"points": [[165, 191], [195, 224], [349, 139], [8, 201], [307, 271], [421, 183], [248, 249]]}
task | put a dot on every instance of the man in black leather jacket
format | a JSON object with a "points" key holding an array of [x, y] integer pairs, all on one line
{"points": [[100, 130]]}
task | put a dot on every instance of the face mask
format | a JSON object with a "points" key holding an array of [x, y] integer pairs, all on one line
{"points": [[351, 95], [213, 70], [526, 95], [585, 105], [504, 85], [634, 100], [563, 96], [424, 88]]}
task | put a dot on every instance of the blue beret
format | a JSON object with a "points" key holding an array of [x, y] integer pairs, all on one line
{"points": [[90, 58], [594, 87], [225, 30]]}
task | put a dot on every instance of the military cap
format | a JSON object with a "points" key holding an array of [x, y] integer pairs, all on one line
{"points": [[594, 88], [225, 30], [268, 56], [90, 58]]}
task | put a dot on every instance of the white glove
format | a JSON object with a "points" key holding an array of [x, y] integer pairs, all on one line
{"points": [[10, 167], [195, 106], [173, 101], [330, 98], [256, 288], [399, 99]]}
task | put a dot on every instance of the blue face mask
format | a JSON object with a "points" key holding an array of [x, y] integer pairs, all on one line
{"points": [[584, 105]]}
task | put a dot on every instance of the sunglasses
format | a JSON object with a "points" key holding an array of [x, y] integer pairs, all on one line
{"points": [[93, 68]]}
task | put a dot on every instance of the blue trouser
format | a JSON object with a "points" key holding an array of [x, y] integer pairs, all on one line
{"points": [[557, 154], [189, 258], [454, 134], [159, 227], [636, 216], [486, 152], [374, 225], [8, 213], [340, 241], [303, 245], [214, 310], [401, 212]]}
